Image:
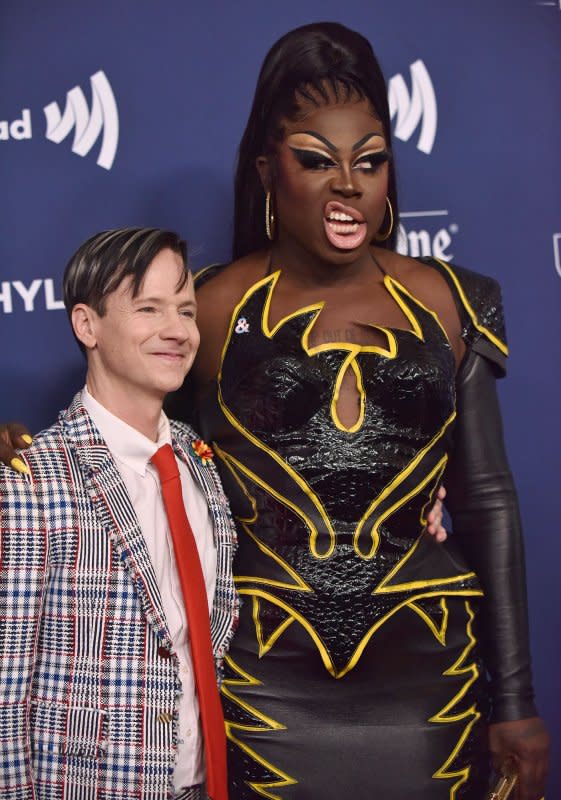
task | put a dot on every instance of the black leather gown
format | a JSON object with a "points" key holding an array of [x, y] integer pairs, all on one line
{"points": [[369, 659]]}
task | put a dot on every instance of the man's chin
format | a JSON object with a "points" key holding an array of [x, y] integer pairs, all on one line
{"points": [[173, 384], [171, 378]]}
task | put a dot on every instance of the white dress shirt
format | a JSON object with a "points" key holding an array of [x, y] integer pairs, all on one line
{"points": [[132, 452]]}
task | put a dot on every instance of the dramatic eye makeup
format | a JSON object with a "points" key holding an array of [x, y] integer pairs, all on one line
{"points": [[313, 159], [309, 156], [370, 162]]}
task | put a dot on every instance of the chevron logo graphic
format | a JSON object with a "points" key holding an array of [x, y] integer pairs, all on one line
{"points": [[102, 119], [414, 110]]}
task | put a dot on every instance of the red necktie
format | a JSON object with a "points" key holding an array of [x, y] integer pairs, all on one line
{"points": [[196, 606]]}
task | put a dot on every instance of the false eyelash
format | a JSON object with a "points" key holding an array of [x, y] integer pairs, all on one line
{"points": [[309, 159], [376, 159]]}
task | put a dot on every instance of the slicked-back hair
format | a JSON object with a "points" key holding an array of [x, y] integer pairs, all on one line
{"points": [[313, 63], [102, 263]]}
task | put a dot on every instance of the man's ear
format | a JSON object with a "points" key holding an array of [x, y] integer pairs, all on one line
{"points": [[83, 319], [264, 168]]}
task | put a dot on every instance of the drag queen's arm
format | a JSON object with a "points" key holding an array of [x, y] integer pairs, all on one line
{"points": [[484, 507]]}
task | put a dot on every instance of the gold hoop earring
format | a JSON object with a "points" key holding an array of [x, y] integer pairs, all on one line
{"points": [[269, 218], [387, 235]]}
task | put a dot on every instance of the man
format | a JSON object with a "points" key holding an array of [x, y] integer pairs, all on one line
{"points": [[107, 682]]}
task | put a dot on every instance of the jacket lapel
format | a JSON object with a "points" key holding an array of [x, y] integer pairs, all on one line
{"points": [[114, 510], [224, 615]]}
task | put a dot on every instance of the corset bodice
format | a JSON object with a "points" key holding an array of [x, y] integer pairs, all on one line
{"points": [[332, 517], [282, 393]]}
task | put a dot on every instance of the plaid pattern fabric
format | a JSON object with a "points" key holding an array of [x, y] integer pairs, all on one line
{"points": [[191, 793], [88, 706]]}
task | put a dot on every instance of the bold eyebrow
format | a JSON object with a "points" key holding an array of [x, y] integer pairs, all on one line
{"points": [[333, 147], [365, 139], [326, 142]]}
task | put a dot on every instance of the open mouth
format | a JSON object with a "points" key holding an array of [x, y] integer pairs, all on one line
{"points": [[345, 227]]}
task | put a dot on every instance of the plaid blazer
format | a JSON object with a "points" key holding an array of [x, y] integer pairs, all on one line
{"points": [[88, 688]]}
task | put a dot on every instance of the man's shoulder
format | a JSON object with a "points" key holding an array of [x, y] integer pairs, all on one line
{"points": [[23, 494], [45, 447], [49, 458], [183, 433]]}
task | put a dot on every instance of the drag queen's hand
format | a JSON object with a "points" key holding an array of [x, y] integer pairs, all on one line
{"points": [[526, 742], [434, 518], [13, 436]]}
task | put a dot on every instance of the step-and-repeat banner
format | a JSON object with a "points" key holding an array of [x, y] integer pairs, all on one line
{"points": [[129, 113]]}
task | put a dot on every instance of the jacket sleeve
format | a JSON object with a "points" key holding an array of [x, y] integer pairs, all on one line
{"points": [[23, 559], [485, 516]]}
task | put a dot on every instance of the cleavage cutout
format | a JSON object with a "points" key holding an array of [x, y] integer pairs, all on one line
{"points": [[280, 361], [357, 336]]}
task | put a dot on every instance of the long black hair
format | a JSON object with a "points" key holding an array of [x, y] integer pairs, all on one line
{"points": [[307, 62]]}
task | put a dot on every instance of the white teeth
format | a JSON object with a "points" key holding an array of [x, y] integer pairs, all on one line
{"points": [[339, 228], [339, 215]]}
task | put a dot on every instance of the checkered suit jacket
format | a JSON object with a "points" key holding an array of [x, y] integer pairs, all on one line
{"points": [[88, 689]]}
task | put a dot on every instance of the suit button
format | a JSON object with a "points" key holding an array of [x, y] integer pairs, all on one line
{"points": [[163, 652], [163, 716]]}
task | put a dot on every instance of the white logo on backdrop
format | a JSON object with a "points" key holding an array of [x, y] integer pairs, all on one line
{"points": [[88, 123], [40, 293], [417, 108], [430, 240], [557, 252], [412, 111]]}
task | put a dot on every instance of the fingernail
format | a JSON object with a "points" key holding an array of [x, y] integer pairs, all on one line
{"points": [[26, 438], [18, 465]]}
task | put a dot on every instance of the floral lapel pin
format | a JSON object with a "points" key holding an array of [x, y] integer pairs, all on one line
{"points": [[202, 452]]}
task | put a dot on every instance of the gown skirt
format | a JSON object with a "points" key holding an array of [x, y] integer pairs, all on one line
{"points": [[406, 723]]}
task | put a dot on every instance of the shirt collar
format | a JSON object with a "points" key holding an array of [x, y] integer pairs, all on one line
{"points": [[126, 443]]}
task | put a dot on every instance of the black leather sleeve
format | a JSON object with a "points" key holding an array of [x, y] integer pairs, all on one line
{"points": [[485, 518]]}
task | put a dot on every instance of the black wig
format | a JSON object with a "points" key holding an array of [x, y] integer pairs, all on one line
{"points": [[314, 62]]}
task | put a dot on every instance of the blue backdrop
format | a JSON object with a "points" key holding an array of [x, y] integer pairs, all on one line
{"points": [[129, 113]]}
